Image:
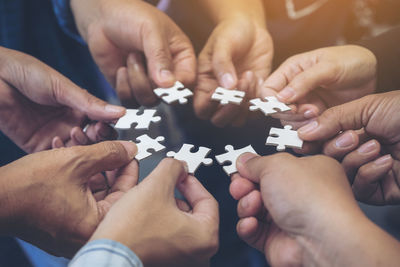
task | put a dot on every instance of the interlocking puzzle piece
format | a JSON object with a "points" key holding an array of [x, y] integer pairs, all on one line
{"points": [[225, 96], [142, 121], [231, 156], [178, 92], [284, 138], [271, 106], [193, 159], [146, 143]]}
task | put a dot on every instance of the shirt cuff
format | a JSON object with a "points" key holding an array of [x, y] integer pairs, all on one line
{"points": [[66, 19], [104, 252]]}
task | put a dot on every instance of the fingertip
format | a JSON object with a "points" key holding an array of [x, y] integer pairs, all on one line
{"points": [[130, 148]]}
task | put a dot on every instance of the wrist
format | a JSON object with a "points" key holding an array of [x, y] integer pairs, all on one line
{"points": [[85, 13]]}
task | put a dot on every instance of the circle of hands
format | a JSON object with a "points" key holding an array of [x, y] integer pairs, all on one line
{"points": [[44, 110]]}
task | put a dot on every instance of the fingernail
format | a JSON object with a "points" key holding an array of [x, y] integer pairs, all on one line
{"points": [[244, 203], [166, 76], [130, 147], [345, 140], [246, 157], [310, 127], [367, 148], [114, 109], [286, 94], [185, 167], [309, 114], [227, 81], [383, 160]]}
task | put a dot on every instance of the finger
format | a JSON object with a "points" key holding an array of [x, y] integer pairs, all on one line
{"points": [[223, 66], [367, 178], [104, 156], [240, 187], [183, 205], [165, 177], [123, 89], [201, 201], [253, 232], [57, 143], [340, 146], [364, 154], [100, 132], [79, 137], [349, 116], [251, 166], [250, 205], [139, 82], [184, 60], [306, 81], [159, 59]]}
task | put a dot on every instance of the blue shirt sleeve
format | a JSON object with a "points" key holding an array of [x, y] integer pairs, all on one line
{"points": [[104, 252], [66, 20]]}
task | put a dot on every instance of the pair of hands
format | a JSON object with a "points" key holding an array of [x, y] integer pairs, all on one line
{"points": [[305, 214], [57, 199], [153, 52]]}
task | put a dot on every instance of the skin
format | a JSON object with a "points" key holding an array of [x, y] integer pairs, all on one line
{"points": [[133, 39], [55, 201], [305, 214], [37, 103], [373, 168], [239, 48], [160, 229]]}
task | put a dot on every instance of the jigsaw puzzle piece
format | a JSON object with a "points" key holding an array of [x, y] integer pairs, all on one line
{"points": [[231, 156], [146, 143], [178, 92], [192, 159], [225, 96], [270, 106], [284, 138], [142, 121]]}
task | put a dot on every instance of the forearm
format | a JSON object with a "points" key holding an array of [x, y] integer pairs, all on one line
{"points": [[225, 9]]}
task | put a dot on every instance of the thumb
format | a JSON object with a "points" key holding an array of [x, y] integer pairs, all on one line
{"points": [[223, 66], [164, 178], [104, 156], [350, 116], [71, 95], [159, 59], [251, 166]]}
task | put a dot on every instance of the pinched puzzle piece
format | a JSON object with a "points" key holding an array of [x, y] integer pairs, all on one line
{"points": [[271, 106], [146, 143], [142, 121], [178, 92], [193, 159], [225, 96], [284, 138], [231, 156]]}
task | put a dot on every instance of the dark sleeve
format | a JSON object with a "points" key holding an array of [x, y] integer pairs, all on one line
{"points": [[386, 48]]}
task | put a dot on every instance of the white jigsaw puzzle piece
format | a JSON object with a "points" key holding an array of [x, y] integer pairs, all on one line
{"points": [[178, 92], [143, 121], [231, 156], [192, 159], [284, 138], [271, 106], [145, 143], [225, 96]]}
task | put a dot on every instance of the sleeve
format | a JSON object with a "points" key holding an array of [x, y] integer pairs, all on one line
{"points": [[386, 49], [66, 20], [104, 252]]}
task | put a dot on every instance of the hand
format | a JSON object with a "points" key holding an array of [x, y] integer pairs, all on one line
{"points": [[238, 48], [52, 199], [305, 214], [321, 79], [37, 103], [159, 231], [135, 40], [377, 116]]}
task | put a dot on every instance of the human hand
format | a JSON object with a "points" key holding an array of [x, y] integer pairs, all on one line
{"points": [[53, 199], [237, 49], [304, 214], [371, 158], [135, 40], [37, 103], [161, 231], [321, 79]]}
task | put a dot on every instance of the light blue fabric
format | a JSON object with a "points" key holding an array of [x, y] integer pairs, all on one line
{"points": [[104, 252]]}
